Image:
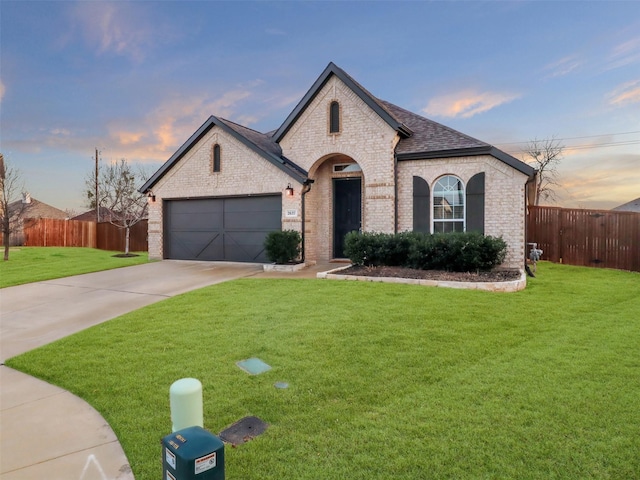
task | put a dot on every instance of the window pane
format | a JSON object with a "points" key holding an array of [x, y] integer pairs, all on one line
{"points": [[448, 204], [334, 117]]}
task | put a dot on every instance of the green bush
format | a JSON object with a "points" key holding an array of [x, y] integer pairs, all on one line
{"points": [[283, 246], [459, 252]]}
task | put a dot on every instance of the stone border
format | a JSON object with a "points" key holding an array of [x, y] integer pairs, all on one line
{"points": [[273, 267], [510, 286]]}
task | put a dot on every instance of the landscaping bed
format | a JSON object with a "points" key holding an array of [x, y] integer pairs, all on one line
{"points": [[401, 272]]}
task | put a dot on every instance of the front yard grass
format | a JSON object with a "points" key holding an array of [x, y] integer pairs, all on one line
{"points": [[35, 264], [386, 381]]}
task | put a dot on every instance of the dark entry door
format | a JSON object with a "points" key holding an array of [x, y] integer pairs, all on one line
{"points": [[347, 211]]}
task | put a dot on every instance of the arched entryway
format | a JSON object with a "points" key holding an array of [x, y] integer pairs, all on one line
{"points": [[333, 206]]}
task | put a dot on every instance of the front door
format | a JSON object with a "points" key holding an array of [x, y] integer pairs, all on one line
{"points": [[347, 211]]}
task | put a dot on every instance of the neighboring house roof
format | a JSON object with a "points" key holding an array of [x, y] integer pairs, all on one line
{"points": [[632, 206], [33, 208], [420, 138], [90, 216]]}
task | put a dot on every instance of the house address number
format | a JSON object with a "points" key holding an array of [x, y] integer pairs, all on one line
{"points": [[291, 213]]}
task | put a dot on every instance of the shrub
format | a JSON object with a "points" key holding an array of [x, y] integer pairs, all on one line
{"points": [[459, 252], [283, 246]]}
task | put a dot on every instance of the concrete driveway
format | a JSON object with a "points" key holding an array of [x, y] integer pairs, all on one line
{"points": [[46, 431]]}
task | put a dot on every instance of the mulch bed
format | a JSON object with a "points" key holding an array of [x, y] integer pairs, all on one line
{"points": [[401, 272]]}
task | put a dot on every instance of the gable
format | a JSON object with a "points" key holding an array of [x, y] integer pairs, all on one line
{"points": [[257, 142], [371, 101]]}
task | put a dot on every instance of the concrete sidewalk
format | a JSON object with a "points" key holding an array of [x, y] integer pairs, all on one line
{"points": [[46, 432]]}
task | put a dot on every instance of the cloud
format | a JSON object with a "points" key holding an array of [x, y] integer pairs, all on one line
{"points": [[598, 180], [467, 103], [562, 67], [118, 28], [624, 54], [64, 132], [625, 94], [2, 90], [158, 134]]}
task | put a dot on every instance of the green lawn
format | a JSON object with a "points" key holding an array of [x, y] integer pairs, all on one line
{"points": [[386, 381], [34, 264]]}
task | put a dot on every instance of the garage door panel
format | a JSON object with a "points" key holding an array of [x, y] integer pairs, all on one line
{"points": [[251, 221], [196, 245], [221, 229]]}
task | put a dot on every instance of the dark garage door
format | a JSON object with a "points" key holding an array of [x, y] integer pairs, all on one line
{"points": [[221, 229]]}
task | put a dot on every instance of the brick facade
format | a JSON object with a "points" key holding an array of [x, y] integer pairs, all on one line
{"points": [[242, 172], [504, 196], [363, 138], [366, 139]]}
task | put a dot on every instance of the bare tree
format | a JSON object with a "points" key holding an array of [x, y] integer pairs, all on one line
{"points": [[545, 156], [12, 210], [118, 187]]}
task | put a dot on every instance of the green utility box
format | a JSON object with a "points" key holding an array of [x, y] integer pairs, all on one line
{"points": [[192, 453]]}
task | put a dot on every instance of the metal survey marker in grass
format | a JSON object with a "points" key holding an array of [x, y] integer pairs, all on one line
{"points": [[243, 430], [253, 366]]}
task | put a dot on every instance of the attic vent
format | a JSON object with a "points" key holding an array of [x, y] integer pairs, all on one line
{"points": [[346, 167]]}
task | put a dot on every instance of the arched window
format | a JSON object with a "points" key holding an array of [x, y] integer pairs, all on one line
{"points": [[334, 117], [216, 158], [448, 205]]}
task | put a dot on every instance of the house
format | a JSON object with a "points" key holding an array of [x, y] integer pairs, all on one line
{"points": [[90, 215], [343, 160], [632, 206], [29, 207]]}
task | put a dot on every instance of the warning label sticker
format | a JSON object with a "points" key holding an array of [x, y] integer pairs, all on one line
{"points": [[170, 458], [170, 477], [205, 463]]}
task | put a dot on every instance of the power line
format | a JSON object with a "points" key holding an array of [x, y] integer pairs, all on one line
{"points": [[570, 138]]}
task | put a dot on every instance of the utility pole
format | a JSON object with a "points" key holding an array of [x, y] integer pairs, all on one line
{"points": [[96, 197]]}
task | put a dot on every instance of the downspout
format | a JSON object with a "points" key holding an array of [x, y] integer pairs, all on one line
{"points": [[395, 193], [306, 186]]}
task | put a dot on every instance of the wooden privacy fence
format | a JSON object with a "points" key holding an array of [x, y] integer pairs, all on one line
{"points": [[592, 238], [47, 232], [111, 237], [51, 232]]}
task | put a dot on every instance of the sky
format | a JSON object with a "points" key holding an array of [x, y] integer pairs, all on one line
{"points": [[136, 79]]}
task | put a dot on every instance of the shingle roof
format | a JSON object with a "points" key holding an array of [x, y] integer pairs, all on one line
{"points": [[36, 209], [264, 141], [428, 135], [90, 215], [632, 206]]}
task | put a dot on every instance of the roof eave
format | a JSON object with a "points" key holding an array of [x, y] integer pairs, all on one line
{"points": [[513, 162]]}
